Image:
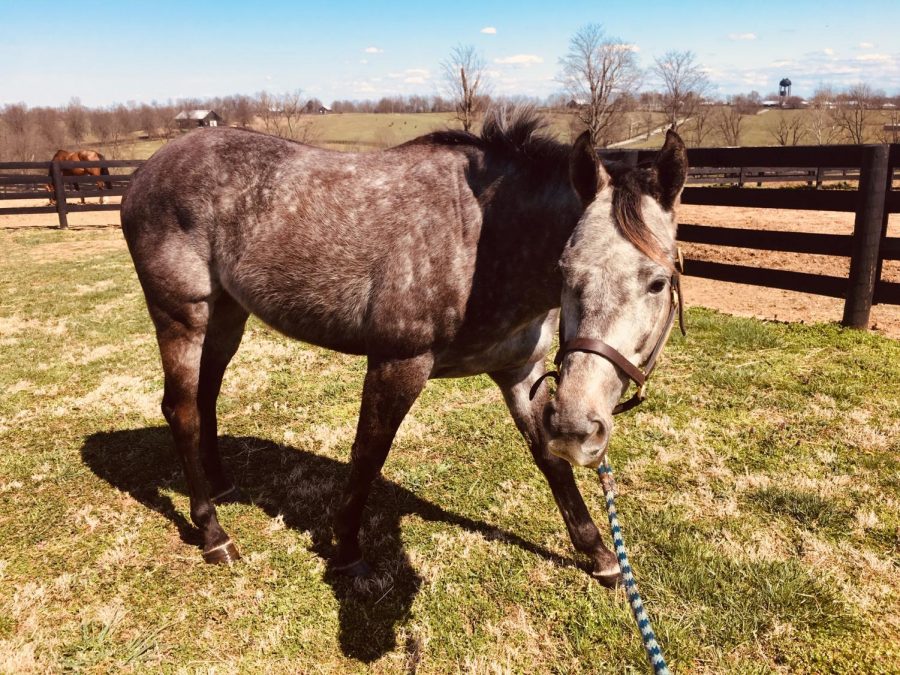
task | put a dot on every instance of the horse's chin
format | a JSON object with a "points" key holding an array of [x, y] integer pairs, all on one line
{"points": [[578, 454]]}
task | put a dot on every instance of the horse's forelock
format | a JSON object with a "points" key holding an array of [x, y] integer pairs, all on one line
{"points": [[628, 192]]}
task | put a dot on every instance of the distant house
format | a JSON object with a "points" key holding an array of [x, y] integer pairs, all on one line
{"points": [[324, 110], [191, 119], [771, 103], [575, 103]]}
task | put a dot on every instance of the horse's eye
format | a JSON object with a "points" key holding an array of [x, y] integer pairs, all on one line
{"points": [[657, 286]]}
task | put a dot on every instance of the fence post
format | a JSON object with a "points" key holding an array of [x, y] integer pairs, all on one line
{"points": [[866, 236], [59, 189]]}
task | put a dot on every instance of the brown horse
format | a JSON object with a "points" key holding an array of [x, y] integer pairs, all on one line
{"points": [[447, 256], [80, 156]]}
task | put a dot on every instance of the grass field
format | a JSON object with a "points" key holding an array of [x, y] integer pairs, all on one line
{"points": [[759, 492], [372, 131], [364, 131]]}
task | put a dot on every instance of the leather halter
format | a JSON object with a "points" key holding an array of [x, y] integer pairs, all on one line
{"points": [[637, 375]]}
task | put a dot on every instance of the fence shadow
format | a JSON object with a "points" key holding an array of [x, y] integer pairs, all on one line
{"points": [[303, 488]]}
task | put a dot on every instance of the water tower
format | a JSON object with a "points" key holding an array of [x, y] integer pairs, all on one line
{"points": [[784, 90]]}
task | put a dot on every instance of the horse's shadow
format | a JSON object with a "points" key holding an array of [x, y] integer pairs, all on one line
{"points": [[302, 488]]}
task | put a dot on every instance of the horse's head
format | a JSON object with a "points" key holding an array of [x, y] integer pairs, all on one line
{"points": [[619, 293]]}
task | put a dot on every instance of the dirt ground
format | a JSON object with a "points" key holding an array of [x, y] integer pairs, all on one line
{"points": [[738, 299], [772, 303]]}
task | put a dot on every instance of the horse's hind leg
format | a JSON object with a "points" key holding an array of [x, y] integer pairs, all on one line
{"points": [[181, 330], [223, 336], [516, 385]]}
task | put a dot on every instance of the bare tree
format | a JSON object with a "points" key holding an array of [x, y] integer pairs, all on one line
{"points": [[700, 125], [819, 121], [464, 78], [891, 130], [20, 133], [50, 128], [684, 85], [291, 110], [243, 110], [597, 71], [102, 124], [268, 108], [729, 120], [76, 120], [790, 129], [852, 112]]}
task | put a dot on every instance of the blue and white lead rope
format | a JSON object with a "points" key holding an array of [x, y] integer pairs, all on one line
{"points": [[654, 653]]}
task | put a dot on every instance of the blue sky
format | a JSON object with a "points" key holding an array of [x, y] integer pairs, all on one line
{"points": [[357, 50]]}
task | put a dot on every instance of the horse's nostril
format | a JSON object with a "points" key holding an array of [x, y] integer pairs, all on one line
{"points": [[601, 434]]}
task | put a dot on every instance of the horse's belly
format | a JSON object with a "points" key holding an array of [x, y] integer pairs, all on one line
{"points": [[305, 307], [521, 347]]}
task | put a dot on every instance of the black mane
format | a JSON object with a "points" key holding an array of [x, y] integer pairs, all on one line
{"points": [[519, 131]]}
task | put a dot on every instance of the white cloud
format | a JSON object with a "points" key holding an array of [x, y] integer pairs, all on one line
{"points": [[878, 58], [364, 61], [828, 51], [373, 50], [520, 60], [363, 87], [489, 30], [411, 76], [866, 45], [628, 47], [741, 36]]}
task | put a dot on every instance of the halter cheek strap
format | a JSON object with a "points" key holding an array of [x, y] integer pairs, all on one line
{"points": [[637, 375]]}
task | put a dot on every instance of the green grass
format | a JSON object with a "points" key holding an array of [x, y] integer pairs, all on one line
{"points": [[759, 129], [360, 132], [759, 494]]}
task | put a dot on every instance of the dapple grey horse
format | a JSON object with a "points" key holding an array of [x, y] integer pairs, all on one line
{"points": [[447, 256]]}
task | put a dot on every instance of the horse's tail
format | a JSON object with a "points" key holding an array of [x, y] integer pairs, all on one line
{"points": [[104, 171]]}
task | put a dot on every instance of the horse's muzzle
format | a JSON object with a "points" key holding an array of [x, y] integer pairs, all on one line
{"points": [[579, 439]]}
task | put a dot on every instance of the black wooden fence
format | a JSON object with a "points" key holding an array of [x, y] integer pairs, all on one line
{"points": [[872, 166], [40, 180], [719, 177]]}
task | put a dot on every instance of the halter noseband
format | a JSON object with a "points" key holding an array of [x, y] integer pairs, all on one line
{"points": [[637, 375]]}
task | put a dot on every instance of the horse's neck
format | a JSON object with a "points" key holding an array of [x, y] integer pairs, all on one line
{"points": [[524, 236]]}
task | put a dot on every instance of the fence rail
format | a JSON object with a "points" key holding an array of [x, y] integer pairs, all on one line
{"points": [[718, 177], [43, 180], [872, 167]]}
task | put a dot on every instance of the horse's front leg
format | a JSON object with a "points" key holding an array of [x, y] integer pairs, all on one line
{"points": [[515, 385], [390, 389]]}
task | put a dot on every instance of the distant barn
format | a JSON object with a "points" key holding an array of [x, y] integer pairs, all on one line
{"points": [[190, 119]]}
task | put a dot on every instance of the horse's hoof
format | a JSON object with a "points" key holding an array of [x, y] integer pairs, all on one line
{"points": [[229, 496], [609, 576], [223, 553], [358, 569]]}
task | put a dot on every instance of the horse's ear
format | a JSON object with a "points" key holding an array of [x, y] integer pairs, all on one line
{"points": [[671, 169], [585, 170]]}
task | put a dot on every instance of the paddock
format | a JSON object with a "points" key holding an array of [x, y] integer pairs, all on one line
{"points": [[758, 490]]}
